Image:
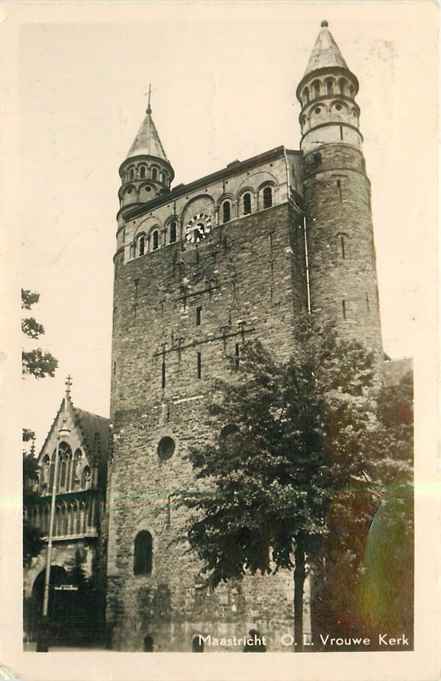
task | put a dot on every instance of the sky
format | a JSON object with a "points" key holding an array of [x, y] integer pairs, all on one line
{"points": [[223, 87]]}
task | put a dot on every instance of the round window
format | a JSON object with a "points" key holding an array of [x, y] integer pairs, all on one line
{"points": [[317, 109], [166, 448], [338, 107]]}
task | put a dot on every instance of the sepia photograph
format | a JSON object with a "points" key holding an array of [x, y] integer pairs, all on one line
{"points": [[226, 252]]}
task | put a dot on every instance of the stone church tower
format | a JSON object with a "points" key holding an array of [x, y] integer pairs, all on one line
{"points": [[187, 295]]}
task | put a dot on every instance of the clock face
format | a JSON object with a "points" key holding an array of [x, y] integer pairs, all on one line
{"points": [[198, 228]]}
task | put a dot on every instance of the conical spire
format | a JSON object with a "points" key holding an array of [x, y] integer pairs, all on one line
{"points": [[147, 142], [325, 52]]}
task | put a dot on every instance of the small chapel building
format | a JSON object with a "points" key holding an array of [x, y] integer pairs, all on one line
{"points": [[76, 598]]}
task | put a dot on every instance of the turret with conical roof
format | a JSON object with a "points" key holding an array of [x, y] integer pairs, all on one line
{"points": [[326, 92], [146, 172], [337, 198]]}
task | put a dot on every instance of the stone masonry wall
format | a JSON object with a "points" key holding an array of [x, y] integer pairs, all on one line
{"points": [[342, 267], [248, 280]]}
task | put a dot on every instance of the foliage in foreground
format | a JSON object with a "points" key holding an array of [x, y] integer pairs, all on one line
{"points": [[302, 456]]}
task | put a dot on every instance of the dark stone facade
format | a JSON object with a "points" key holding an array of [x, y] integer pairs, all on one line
{"points": [[182, 310]]}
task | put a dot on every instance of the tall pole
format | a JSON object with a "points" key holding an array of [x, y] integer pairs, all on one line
{"points": [[63, 432]]}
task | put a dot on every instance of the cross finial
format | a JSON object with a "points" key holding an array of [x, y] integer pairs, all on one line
{"points": [[149, 108], [68, 384]]}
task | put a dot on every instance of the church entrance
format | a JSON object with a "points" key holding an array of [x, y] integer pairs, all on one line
{"points": [[72, 609]]}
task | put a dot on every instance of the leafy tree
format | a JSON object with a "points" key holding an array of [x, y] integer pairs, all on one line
{"points": [[32, 543], [289, 462], [36, 362], [386, 585], [39, 364]]}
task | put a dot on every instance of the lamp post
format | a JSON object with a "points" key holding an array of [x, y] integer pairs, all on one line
{"points": [[63, 432]]}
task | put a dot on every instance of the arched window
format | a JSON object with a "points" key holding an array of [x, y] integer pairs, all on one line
{"points": [[247, 203], [76, 462], [306, 94], [162, 175], [267, 197], [316, 86], [85, 477], [155, 240], [143, 553], [197, 644], [132, 174], [52, 471], [342, 85], [173, 232], [142, 171], [141, 244], [63, 469], [329, 86], [154, 173], [226, 211]]}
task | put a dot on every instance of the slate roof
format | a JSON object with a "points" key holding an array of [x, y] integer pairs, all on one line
{"points": [[147, 142], [325, 52], [96, 433], [94, 429]]}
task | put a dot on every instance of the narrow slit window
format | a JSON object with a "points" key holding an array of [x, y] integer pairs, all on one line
{"points": [[367, 302], [340, 195], [163, 374], [155, 240], [343, 309], [141, 245], [198, 316], [173, 232], [199, 365], [342, 247], [237, 356], [341, 132]]}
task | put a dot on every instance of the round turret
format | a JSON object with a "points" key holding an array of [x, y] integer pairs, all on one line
{"points": [[146, 172], [337, 196], [327, 95]]}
